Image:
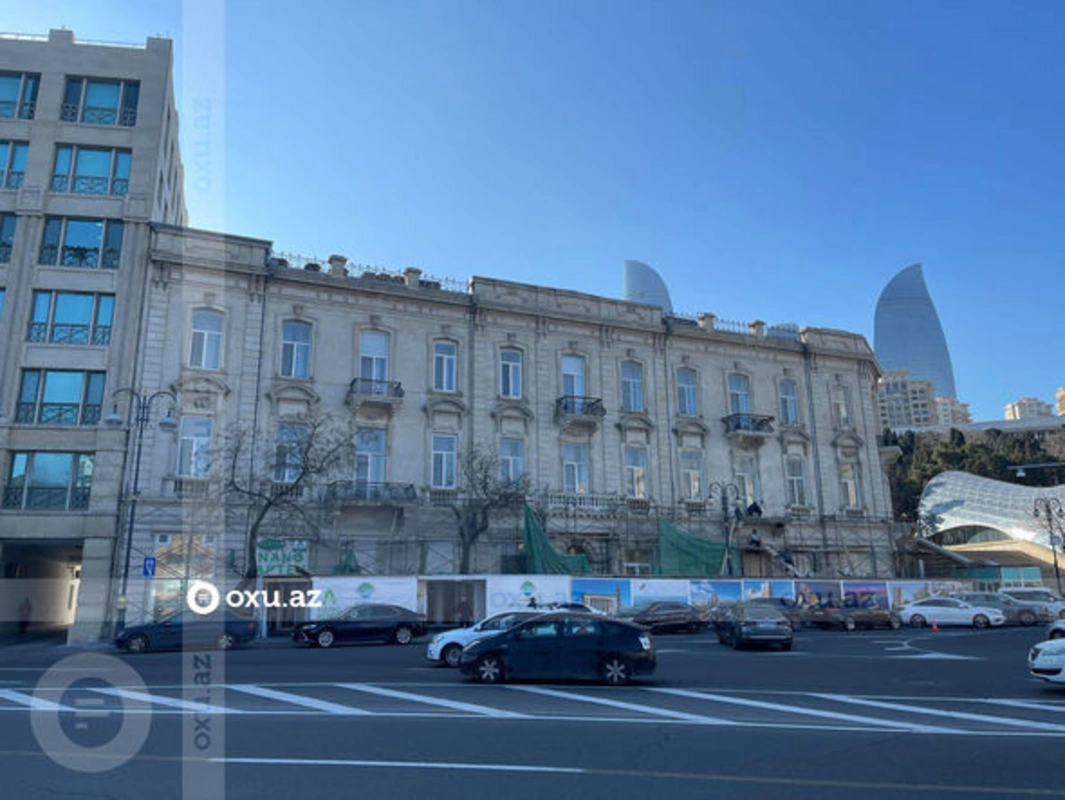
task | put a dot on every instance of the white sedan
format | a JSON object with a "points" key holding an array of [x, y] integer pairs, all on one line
{"points": [[1046, 661], [1056, 630], [949, 611], [446, 647]]}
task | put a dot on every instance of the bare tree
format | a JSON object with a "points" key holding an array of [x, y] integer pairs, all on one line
{"points": [[275, 475], [485, 491]]}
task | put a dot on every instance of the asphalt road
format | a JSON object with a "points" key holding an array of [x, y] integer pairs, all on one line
{"points": [[867, 714]]}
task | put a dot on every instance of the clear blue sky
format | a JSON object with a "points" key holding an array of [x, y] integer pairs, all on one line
{"points": [[773, 160]]}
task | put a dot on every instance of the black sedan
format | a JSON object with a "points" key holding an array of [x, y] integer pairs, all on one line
{"points": [[363, 623], [671, 617], [188, 630], [562, 645], [746, 624]]}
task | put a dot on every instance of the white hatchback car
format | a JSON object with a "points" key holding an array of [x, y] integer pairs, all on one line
{"points": [[446, 647], [1046, 661], [948, 611]]}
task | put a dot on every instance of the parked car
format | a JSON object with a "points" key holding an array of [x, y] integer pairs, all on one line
{"points": [[446, 647], [757, 624], [187, 629], [670, 617], [949, 611], [1018, 612], [1046, 661], [785, 605], [1056, 629], [1056, 604], [850, 616], [374, 622], [581, 607], [562, 645]]}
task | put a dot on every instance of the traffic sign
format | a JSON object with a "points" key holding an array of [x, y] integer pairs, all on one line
{"points": [[149, 567]]}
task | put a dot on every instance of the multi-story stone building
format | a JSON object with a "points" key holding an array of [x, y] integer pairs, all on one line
{"points": [[617, 413], [1028, 408], [88, 156], [905, 402]]}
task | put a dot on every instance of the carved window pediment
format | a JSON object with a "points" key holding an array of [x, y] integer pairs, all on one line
{"points": [[292, 398], [200, 391], [635, 421]]}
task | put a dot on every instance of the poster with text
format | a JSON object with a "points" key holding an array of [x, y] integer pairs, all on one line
{"points": [[504, 592], [866, 594], [812, 593], [338, 594]]}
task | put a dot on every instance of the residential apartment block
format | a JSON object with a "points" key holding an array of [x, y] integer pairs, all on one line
{"points": [[88, 156], [1028, 408]]}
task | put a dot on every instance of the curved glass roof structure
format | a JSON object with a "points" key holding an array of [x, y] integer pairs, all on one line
{"points": [[907, 334], [644, 285], [960, 499]]}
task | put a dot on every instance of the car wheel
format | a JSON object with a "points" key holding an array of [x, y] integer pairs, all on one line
{"points": [[452, 655], [894, 623], [616, 671], [489, 669], [981, 621], [917, 621], [137, 644], [849, 624], [1026, 618], [785, 646], [403, 635], [225, 641], [325, 638], [1057, 634]]}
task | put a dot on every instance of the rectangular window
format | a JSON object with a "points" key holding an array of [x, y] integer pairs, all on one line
{"points": [[194, 447], [738, 394], [13, 164], [573, 378], [789, 402], [512, 459], [687, 405], [841, 405], [849, 486], [631, 386], [795, 467], [100, 102], [575, 468], [206, 339], [443, 462], [444, 357], [60, 397], [746, 479], [373, 357], [91, 170], [40, 481], [71, 318], [636, 472], [510, 373], [7, 237], [18, 95], [296, 350], [76, 242], [288, 458], [370, 454], [691, 474]]}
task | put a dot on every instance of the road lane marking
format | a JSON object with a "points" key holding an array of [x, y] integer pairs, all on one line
{"points": [[935, 712], [603, 701], [35, 703], [455, 705], [814, 712], [299, 700], [1023, 704], [160, 700], [351, 762]]}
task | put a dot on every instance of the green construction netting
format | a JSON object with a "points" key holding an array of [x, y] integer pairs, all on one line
{"points": [[541, 557], [686, 555]]}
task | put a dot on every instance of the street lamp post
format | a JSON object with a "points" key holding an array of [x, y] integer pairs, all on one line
{"points": [[725, 491], [140, 408], [1050, 510]]}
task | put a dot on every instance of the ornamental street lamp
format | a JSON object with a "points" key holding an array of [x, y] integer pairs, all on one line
{"points": [[140, 417], [1050, 511], [729, 493]]}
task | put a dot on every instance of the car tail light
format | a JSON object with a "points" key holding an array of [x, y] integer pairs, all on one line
{"points": [[250, 626]]}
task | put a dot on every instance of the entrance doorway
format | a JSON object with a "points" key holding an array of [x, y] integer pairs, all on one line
{"points": [[283, 620], [455, 602]]}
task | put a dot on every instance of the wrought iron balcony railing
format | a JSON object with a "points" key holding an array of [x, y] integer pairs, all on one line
{"points": [[368, 387], [371, 492], [46, 498], [571, 405], [748, 423]]}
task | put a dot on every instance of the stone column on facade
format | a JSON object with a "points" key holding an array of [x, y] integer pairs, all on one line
{"points": [[95, 593]]}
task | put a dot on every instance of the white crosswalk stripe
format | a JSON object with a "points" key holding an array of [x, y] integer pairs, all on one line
{"points": [[162, 700], [937, 712], [299, 700], [455, 705], [642, 709]]}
